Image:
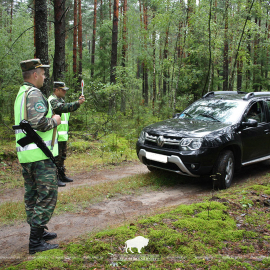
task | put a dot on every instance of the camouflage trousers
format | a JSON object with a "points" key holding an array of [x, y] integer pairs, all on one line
{"points": [[41, 189], [62, 148]]}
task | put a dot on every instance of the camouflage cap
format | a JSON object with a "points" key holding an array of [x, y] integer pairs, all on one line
{"points": [[32, 64], [61, 85]]}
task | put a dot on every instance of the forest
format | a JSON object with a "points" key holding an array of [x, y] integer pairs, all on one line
{"points": [[138, 59]]}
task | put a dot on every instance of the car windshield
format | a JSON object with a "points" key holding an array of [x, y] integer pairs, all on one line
{"points": [[224, 111]]}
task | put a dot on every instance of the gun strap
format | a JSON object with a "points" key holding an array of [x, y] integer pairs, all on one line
{"points": [[25, 105]]}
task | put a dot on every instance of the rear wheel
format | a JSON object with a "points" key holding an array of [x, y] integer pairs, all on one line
{"points": [[223, 170]]}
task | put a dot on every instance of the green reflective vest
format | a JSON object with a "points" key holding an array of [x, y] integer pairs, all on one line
{"points": [[31, 153], [63, 128]]}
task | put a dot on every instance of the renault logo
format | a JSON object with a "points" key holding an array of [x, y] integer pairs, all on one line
{"points": [[160, 141]]}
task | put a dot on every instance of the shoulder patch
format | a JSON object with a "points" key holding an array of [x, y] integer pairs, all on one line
{"points": [[40, 107]]}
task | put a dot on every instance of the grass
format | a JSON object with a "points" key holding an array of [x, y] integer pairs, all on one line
{"points": [[204, 235], [223, 231], [76, 199]]}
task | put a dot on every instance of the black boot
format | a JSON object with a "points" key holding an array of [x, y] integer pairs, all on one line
{"points": [[60, 183], [65, 178], [48, 236], [37, 243]]}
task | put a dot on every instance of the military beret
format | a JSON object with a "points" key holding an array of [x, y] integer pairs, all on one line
{"points": [[32, 64], [60, 85]]}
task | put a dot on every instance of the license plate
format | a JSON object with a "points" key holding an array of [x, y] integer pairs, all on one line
{"points": [[156, 157]]}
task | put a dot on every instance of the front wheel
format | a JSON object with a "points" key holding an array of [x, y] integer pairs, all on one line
{"points": [[223, 170]]}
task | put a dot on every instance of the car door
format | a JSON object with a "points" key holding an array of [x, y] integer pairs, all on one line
{"points": [[256, 140]]}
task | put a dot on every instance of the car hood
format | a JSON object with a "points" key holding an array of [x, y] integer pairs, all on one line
{"points": [[185, 127]]}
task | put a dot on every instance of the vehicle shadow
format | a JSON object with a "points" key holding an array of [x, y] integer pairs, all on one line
{"points": [[254, 171]]}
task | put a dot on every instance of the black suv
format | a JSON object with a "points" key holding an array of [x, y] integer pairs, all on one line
{"points": [[216, 135]]}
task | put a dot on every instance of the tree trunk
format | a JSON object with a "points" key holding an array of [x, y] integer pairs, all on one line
{"points": [[114, 51], [101, 11], [145, 87], [41, 38], [267, 53], [165, 70], [239, 74], [248, 74], [114, 40], [94, 39], [75, 34], [210, 66], [124, 51], [226, 51], [59, 36], [255, 62], [80, 40], [110, 9], [11, 18], [190, 11], [154, 69]]}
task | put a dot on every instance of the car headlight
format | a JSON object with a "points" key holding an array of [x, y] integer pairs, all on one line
{"points": [[142, 137], [190, 143]]}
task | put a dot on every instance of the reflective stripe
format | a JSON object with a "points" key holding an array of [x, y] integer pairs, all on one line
{"points": [[17, 131], [62, 132], [63, 127], [22, 116], [33, 146], [22, 107]]}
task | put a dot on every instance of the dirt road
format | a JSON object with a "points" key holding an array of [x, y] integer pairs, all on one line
{"points": [[112, 211]]}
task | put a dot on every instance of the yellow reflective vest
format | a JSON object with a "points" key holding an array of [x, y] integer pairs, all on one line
{"points": [[31, 152], [63, 128]]}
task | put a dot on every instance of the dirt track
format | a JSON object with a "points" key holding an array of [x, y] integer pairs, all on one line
{"points": [[116, 210]]}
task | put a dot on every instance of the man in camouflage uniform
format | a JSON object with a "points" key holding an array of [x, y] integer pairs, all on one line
{"points": [[63, 109], [39, 172]]}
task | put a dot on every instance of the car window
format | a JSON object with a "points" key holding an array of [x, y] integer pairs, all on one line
{"points": [[225, 111], [256, 112]]}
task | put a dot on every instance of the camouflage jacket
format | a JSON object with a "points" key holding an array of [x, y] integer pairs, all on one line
{"points": [[37, 109], [59, 106]]}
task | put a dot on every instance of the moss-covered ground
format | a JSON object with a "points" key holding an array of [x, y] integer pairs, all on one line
{"points": [[228, 230]]}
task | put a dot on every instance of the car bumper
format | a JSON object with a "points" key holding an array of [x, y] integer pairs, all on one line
{"points": [[193, 163], [165, 159]]}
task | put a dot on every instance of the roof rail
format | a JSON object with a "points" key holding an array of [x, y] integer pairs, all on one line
{"points": [[255, 94], [212, 93]]}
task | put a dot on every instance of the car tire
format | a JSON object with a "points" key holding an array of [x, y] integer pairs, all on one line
{"points": [[223, 170]]}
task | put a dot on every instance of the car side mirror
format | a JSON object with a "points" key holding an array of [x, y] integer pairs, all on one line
{"points": [[250, 123], [176, 115]]}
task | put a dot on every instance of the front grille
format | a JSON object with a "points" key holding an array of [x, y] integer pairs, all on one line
{"points": [[163, 142]]}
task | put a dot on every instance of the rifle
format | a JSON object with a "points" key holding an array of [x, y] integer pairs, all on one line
{"points": [[33, 137]]}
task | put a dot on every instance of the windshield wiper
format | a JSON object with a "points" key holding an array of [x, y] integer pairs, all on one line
{"points": [[209, 116]]}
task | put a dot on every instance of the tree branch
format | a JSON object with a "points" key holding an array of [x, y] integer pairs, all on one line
{"points": [[15, 42]]}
